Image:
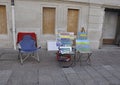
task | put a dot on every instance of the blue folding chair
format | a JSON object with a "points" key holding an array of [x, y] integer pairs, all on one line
{"points": [[27, 48]]}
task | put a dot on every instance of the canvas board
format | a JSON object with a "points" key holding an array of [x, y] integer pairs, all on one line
{"points": [[51, 46]]}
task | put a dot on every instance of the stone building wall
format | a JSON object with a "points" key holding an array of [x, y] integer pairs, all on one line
{"points": [[28, 17]]}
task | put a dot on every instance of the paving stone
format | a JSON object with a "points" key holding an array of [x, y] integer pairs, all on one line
{"points": [[72, 77], [95, 75], [107, 75], [4, 76], [85, 76], [104, 70]]}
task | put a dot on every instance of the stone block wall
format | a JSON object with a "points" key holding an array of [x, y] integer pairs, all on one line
{"points": [[96, 17], [28, 18]]}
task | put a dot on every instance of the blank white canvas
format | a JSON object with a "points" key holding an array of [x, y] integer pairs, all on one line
{"points": [[51, 46]]}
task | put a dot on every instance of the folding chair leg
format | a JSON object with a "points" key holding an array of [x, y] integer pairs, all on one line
{"points": [[34, 55], [21, 60], [38, 57], [89, 59], [19, 55], [80, 58]]}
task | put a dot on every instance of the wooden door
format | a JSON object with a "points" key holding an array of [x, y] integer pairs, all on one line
{"points": [[72, 25], [48, 20], [3, 21]]}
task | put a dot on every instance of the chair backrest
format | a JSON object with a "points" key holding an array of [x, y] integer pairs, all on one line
{"points": [[82, 42], [82, 45], [82, 35], [27, 43], [22, 34]]}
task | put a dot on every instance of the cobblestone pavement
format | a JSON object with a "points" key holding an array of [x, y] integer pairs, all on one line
{"points": [[104, 69]]}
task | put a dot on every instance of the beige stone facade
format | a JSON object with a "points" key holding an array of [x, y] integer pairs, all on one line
{"points": [[29, 18]]}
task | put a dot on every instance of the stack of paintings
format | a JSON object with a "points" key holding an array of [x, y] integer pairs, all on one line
{"points": [[65, 42]]}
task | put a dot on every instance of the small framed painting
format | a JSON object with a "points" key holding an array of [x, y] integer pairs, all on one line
{"points": [[65, 49]]}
